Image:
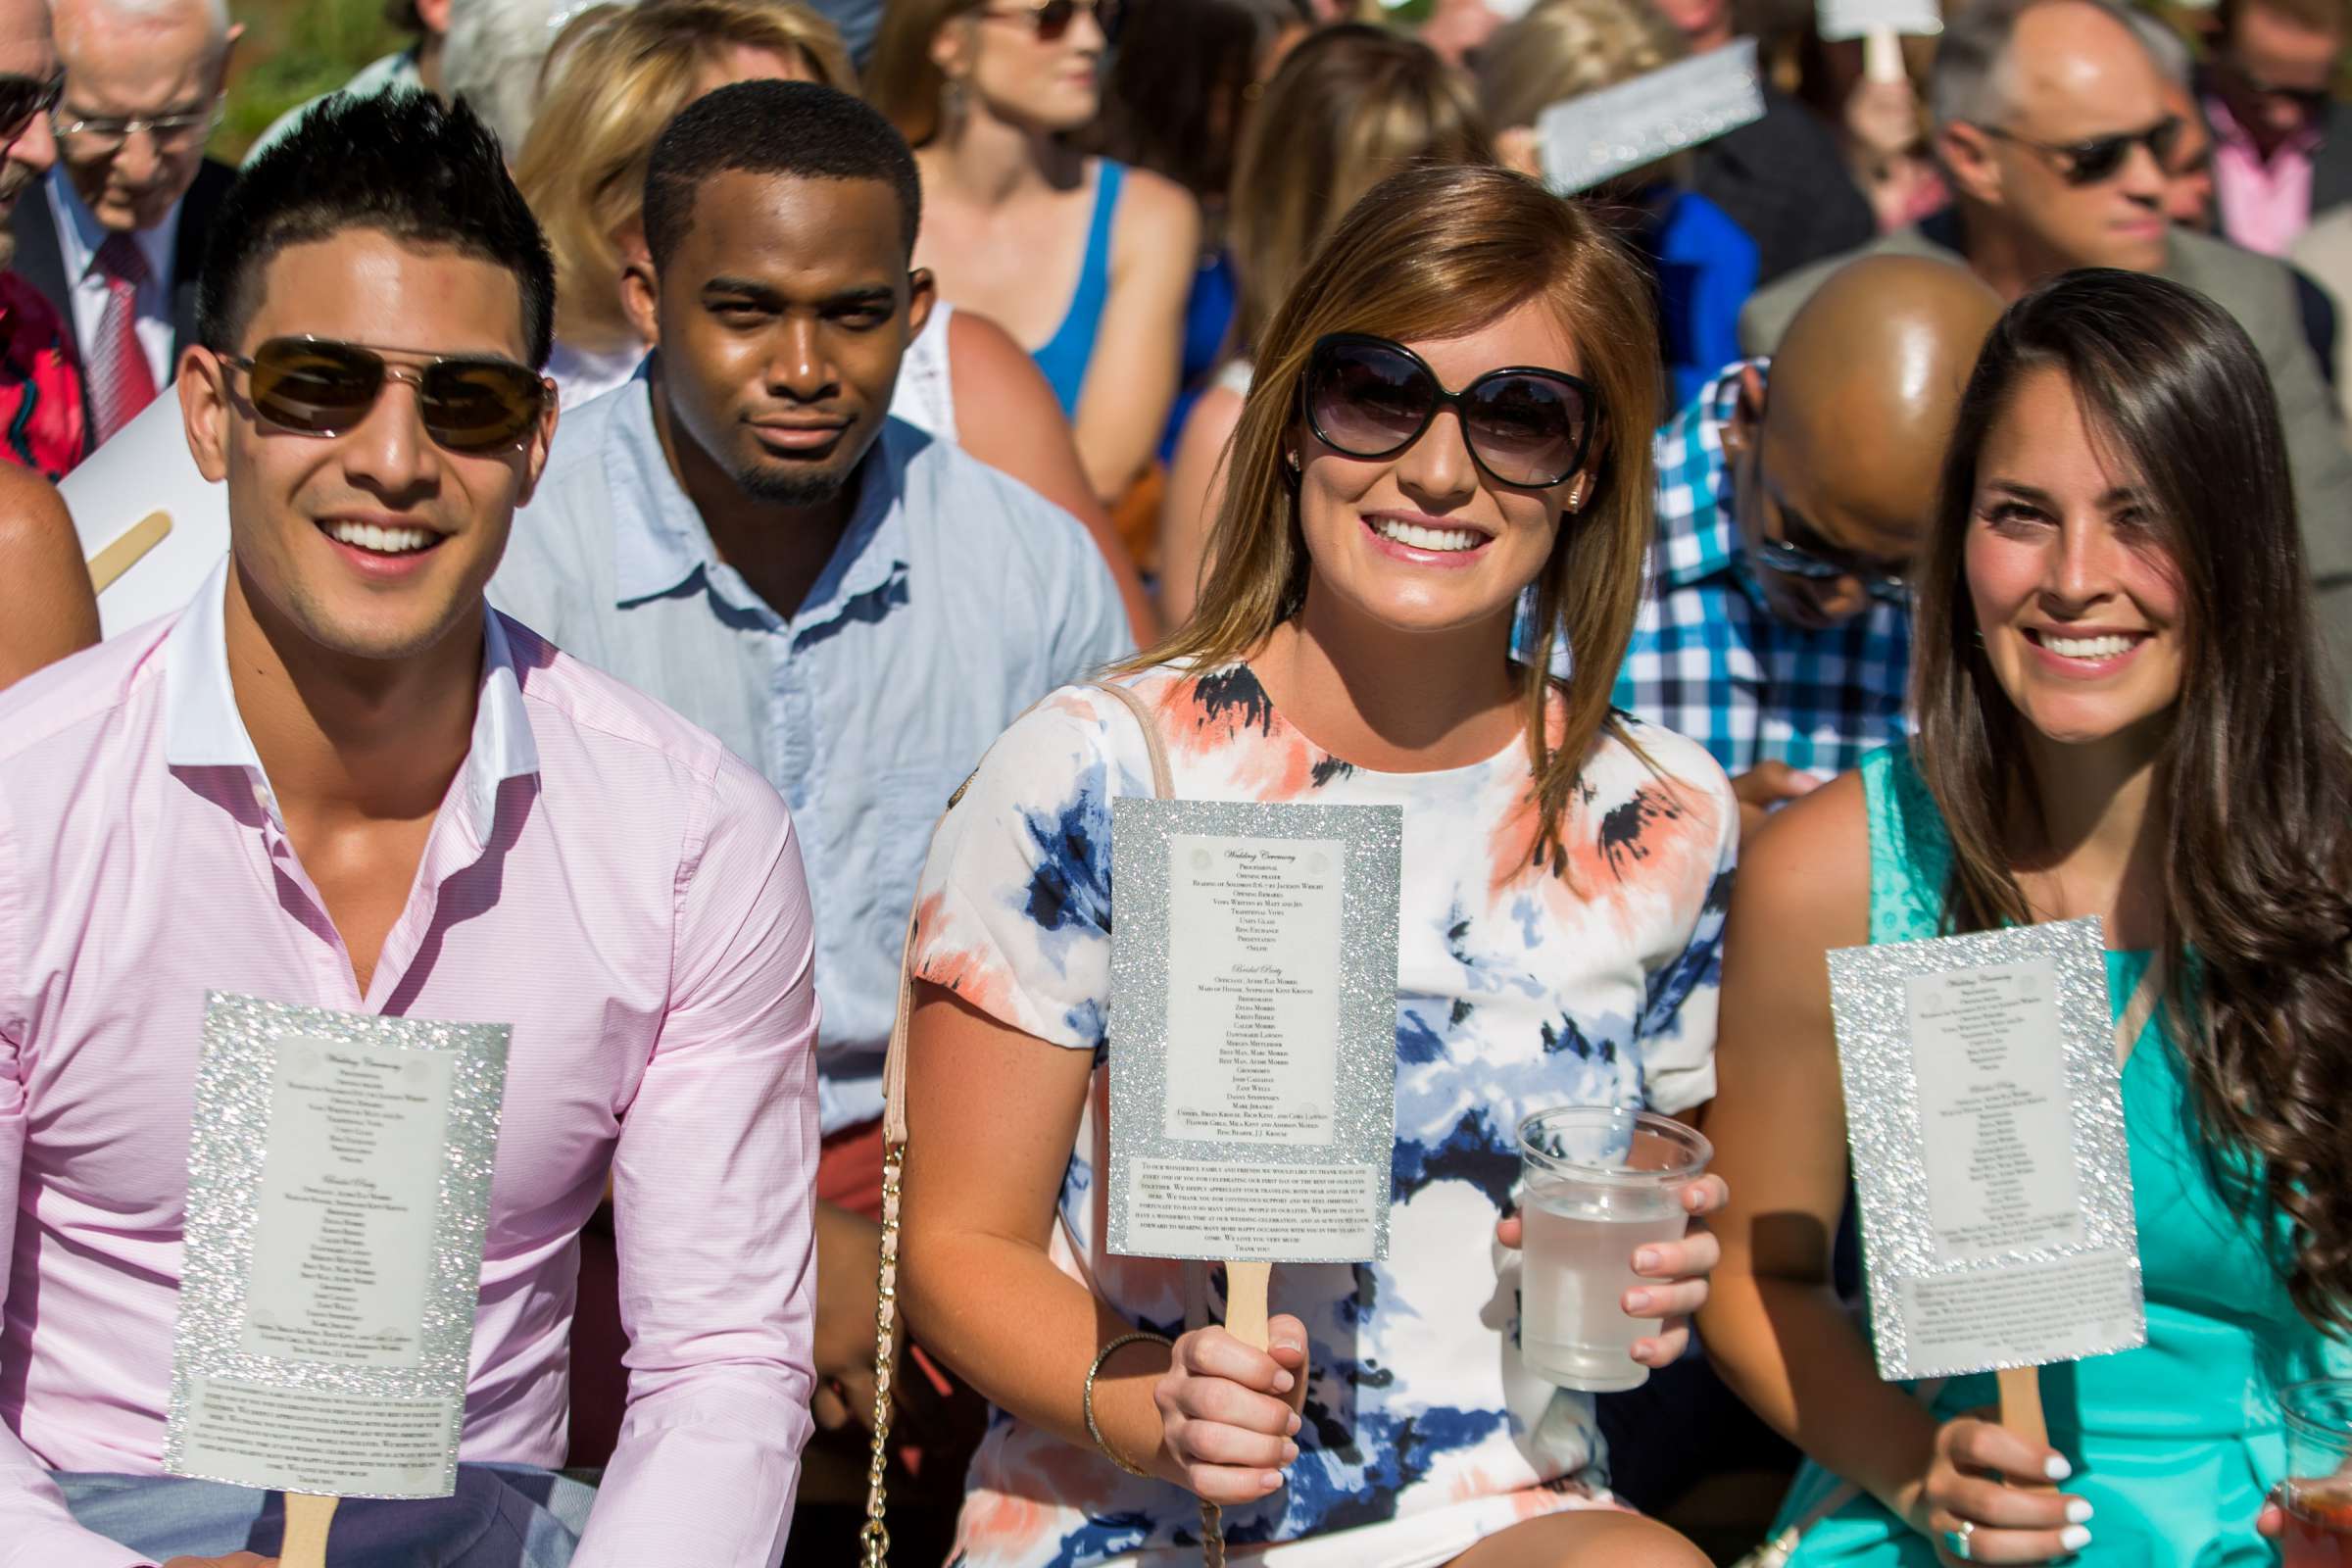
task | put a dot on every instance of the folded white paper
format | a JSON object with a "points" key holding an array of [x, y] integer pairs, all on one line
{"points": [[1593, 137]]}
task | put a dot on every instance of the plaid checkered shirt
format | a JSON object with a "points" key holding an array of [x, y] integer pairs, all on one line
{"points": [[1709, 660]]}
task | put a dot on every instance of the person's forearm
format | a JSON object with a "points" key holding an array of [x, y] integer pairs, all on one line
{"points": [[1023, 1334], [1789, 1348]]}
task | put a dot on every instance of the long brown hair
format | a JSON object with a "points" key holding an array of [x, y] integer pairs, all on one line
{"points": [[2254, 774], [1436, 252], [1349, 106], [902, 78]]}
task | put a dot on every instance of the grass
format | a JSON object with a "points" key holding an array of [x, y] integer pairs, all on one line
{"points": [[294, 50]]}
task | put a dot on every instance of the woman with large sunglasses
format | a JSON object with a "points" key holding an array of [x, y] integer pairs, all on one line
{"points": [[2122, 715], [1434, 428], [1086, 262]]}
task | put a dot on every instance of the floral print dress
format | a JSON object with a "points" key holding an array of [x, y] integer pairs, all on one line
{"points": [[1585, 978]]}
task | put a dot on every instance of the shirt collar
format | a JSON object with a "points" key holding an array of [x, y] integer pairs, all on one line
{"points": [[79, 233], [203, 728], [659, 540], [1699, 538], [2228, 132]]}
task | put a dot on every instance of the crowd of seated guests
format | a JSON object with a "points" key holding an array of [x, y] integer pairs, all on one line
{"points": [[982, 406]]}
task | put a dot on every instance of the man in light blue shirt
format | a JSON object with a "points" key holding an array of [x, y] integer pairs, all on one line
{"points": [[853, 606]]}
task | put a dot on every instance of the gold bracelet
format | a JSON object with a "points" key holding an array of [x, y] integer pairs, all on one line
{"points": [[1092, 1430]]}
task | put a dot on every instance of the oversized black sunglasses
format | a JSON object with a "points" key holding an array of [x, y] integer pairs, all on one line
{"points": [[1050, 19], [23, 99], [321, 386], [1367, 397], [2098, 159]]}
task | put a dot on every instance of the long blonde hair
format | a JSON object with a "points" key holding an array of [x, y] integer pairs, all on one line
{"points": [[1349, 107], [901, 79], [615, 76], [1435, 252]]}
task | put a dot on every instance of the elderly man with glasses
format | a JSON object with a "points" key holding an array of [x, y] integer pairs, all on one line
{"points": [[2052, 126], [118, 241]]}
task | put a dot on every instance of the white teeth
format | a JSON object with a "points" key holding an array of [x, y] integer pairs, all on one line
{"points": [[1420, 538], [2085, 647], [383, 541]]}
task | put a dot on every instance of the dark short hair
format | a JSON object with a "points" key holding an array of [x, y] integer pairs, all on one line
{"points": [[401, 163], [797, 128]]}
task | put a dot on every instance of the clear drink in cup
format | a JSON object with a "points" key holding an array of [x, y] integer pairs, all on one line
{"points": [[2319, 1473], [1596, 1183]]}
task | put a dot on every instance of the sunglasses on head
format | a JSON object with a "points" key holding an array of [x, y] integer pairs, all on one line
{"points": [[2097, 159], [1365, 397], [318, 386], [23, 99], [1050, 19]]}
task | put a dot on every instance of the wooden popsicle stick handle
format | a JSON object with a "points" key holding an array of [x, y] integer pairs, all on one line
{"points": [[2022, 1413], [306, 1520], [124, 553], [1246, 1303]]}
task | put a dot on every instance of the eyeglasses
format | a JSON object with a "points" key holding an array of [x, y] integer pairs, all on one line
{"points": [[2099, 158], [318, 386], [104, 133], [2312, 101], [1365, 397], [1790, 560], [1050, 19], [24, 98]]}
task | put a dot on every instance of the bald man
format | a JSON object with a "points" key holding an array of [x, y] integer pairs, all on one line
{"points": [[119, 242], [2052, 123], [1791, 499]]}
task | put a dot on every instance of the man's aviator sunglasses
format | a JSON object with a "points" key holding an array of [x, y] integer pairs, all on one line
{"points": [[2098, 159], [1369, 398], [25, 99], [318, 386]]}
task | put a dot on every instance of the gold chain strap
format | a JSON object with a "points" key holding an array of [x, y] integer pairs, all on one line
{"points": [[874, 1537]]}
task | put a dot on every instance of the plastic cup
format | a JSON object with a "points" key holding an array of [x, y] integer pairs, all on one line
{"points": [[2319, 1473], [1596, 1183]]}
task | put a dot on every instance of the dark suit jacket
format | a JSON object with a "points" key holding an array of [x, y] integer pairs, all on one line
{"points": [[41, 259]]}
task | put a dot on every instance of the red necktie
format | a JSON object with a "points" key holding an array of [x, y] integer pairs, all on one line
{"points": [[121, 381]]}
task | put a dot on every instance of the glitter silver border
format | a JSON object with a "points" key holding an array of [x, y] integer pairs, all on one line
{"points": [[1871, 1006], [1597, 135], [227, 1142], [1371, 890]]}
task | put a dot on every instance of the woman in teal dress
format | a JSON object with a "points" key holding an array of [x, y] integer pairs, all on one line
{"points": [[2121, 715]]}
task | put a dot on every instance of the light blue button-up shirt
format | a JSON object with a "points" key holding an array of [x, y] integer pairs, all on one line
{"points": [[956, 598]]}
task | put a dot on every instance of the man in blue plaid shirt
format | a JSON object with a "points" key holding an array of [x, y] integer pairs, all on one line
{"points": [[1777, 629]]}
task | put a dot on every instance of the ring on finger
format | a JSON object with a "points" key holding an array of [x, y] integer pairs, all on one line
{"points": [[1959, 1542]]}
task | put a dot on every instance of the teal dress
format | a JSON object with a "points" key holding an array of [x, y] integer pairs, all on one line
{"points": [[2175, 1443]]}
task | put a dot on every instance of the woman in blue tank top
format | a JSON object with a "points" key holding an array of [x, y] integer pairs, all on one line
{"points": [[1088, 262], [2121, 713]]}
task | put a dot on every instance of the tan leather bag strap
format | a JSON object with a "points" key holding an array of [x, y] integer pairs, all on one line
{"points": [[874, 1535]]}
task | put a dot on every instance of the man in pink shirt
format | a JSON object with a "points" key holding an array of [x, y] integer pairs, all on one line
{"points": [[2278, 158], [337, 780]]}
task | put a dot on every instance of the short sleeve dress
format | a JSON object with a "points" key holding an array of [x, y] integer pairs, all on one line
{"points": [[1585, 976]]}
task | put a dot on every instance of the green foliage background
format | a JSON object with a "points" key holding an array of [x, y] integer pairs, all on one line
{"points": [[294, 50]]}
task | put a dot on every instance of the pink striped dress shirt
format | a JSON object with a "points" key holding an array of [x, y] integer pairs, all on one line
{"points": [[602, 877]]}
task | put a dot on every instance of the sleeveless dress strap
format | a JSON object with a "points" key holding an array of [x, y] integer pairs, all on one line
{"points": [[1067, 353], [1910, 852]]}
